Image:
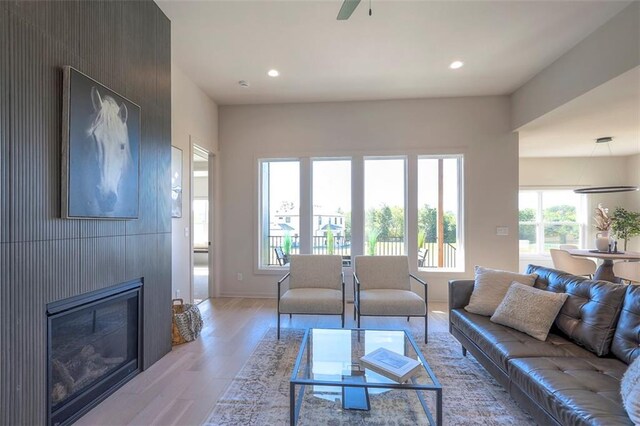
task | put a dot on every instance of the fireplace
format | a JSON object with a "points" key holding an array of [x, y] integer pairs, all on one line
{"points": [[94, 347]]}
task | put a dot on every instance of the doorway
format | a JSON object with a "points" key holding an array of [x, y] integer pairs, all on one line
{"points": [[201, 242]]}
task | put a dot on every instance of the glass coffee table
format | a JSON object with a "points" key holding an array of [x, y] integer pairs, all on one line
{"points": [[328, 368]]}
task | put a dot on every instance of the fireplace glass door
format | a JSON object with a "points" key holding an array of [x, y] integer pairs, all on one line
{"points": [[93, 348]]}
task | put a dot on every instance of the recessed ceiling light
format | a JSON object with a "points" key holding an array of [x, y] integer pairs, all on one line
{"points": [[243, 83], [456, 64], [273, 73]]}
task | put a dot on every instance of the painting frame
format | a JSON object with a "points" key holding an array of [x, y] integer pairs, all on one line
{"points": [[101, 151], [176, 182]]}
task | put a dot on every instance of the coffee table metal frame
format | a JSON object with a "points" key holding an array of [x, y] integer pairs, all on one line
{"points": [[295, 403]]}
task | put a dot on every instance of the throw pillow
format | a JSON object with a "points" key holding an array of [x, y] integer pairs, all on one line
{"points": [[630, 391], [529, 310], [490, 287]]}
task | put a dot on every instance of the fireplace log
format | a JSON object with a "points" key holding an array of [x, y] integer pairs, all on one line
{"points": [[58, 393], [64, 374], [81, 370]]}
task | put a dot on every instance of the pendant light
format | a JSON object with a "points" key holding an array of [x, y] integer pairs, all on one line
{"points": [[604, 189]]}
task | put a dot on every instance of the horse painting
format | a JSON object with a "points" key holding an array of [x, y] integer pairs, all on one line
{"points": [[101, 151], [109, 132]]}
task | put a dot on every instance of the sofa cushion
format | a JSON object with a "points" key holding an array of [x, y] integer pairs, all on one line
{"points": [[575, 391], [490, 287], [311, 301], [626, 340], [590, 313], [391, 302], [630, 391], [529, 310], [502, 343]]}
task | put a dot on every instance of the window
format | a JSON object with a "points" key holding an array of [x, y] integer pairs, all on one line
{"points": [[280, 208], [384, 203], [331, 200], [308, 205], [549, 219], [439, 212]]}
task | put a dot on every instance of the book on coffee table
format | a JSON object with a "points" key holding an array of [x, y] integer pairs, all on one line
{"points": [[391, 365]]}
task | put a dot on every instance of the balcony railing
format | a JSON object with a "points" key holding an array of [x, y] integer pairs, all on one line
{"points": [[384, 247]]}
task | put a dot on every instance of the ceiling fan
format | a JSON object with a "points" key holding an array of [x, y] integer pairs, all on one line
{"points": [[348, 6]]}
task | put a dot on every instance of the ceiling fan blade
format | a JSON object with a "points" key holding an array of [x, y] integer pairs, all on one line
{"points": [[347, 9]]}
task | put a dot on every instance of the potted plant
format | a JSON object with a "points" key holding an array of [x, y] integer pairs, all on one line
{"points": [[286, 244], [372, 239], [421, 238], [603, 224], [330, 242], [625, 224]]}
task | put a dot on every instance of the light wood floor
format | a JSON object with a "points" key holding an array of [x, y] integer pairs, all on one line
{"points": [[183, 387]]}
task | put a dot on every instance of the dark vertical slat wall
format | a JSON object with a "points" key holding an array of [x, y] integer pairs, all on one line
{"points": [[43, 258], [4, 127]]}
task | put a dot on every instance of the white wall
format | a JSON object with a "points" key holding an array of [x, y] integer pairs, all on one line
{"points": [[576, 171], [194, 115], [633, 202], [478, 126], [611, 50]]}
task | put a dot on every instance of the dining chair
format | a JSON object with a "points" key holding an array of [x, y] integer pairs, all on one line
{"points": [[568, 247], [628, 271], [563, 261], [315, 287], [382, 288]]}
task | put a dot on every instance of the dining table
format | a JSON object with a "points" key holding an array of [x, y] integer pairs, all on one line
{"points": [[605, 270]]}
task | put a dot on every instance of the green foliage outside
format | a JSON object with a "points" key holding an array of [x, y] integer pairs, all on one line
{"points": [[421, 238], [372, 240], [557, 233], [388, 221], [527, 215], [625, 224], [428, 223], [286, 244], [331, 247]]}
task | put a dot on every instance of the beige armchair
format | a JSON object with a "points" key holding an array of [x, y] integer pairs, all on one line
{"points": [[628, 271], [382, 287], [563, 261], [315, 287]]}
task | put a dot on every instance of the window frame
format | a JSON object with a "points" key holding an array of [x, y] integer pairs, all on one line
{"points": [[405, 183], [358, 211], [260, 245], [460, 250], [540, 223]]}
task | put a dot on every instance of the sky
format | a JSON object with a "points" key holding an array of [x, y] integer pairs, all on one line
{"points": [[384, 183]]}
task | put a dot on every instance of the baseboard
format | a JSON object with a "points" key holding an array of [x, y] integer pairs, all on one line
{"points": [[248, 296]]}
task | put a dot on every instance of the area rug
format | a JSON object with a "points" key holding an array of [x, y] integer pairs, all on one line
{"points": [[259, 394]]}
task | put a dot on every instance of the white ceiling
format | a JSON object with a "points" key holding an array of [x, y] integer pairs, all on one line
{"points": [[402, 51], [612, 109]]}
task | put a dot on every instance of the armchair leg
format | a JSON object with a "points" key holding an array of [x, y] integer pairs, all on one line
{"points": [[290, 316], [464, 351], [407, 319], [342, 316], [426, 328], [278, 325]]}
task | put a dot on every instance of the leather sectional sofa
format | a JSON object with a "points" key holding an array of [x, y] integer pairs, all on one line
{"points": [[573, 378]]}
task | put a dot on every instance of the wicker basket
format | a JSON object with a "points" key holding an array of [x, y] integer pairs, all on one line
{"points": [[187, 322]]}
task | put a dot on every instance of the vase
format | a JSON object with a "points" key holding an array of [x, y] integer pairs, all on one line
{"points": [[602, 241]]}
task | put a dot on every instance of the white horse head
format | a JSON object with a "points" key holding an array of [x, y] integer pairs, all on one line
{"points": [[109, 130]]}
